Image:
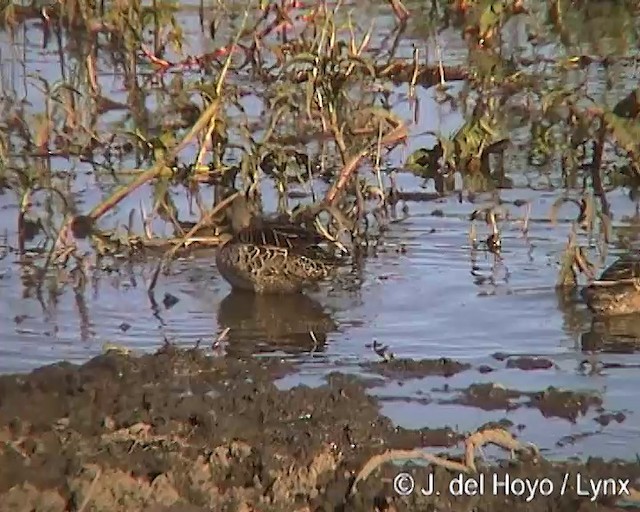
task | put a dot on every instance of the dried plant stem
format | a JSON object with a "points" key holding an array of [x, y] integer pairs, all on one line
{"points": [[207, 119], [394, 136], [377, 165], [206, 219], [440, 65], [219, 85], [596, 177], [399, 10], [414, 74]]}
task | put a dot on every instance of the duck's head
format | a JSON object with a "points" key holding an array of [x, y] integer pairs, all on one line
{"points": [[241, 213]]}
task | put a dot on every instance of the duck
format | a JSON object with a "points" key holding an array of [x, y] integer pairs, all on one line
{"points": [[270, 256], [617, 292]]}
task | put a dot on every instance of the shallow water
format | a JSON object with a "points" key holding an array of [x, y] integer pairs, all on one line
{"points": [[434, 298]]}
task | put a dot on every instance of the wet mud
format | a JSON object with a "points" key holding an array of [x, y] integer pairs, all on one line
{"points": [[417, 368], [182, 430], [552, 402], [524, 362], [530, 363]]}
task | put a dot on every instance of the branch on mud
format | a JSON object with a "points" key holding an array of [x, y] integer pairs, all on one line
{"points": [[498, 437]]}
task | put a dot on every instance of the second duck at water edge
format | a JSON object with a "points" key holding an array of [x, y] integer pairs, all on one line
{"points": [[617, 292]]}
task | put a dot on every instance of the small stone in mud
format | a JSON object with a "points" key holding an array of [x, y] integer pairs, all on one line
{"points": [[572, 439], [410, 368], [530, 363], [297, 194], [169, 300], [18, 319], [124, 326], [485, 369], [606, 418]]}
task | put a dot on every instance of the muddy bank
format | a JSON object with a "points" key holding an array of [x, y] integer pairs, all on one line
{"points": [[182, 431]]}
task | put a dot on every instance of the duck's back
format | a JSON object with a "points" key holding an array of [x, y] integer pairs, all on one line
{"points": [[287, 236], [627, 267]]}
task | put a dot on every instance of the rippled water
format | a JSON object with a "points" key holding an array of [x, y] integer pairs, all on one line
{"points": [[425, 293]]}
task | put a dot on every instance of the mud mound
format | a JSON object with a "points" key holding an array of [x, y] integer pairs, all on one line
{"points": [[182, 431], [410, 368]]}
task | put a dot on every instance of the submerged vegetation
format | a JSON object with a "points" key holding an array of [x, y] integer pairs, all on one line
{"points": [[302, 100]]}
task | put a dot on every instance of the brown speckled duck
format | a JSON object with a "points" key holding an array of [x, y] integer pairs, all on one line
{"points": [[270, 257], [617, 292]]}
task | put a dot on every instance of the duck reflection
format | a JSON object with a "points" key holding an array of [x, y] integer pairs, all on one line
{"points": [[267, 323], [575, 316], [613, 334], [619, 334]]}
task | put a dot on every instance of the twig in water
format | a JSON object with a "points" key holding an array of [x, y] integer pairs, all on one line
{"points": [[220, 338], [414, 75], [315, 341], [440, 65], [382, 351]]}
